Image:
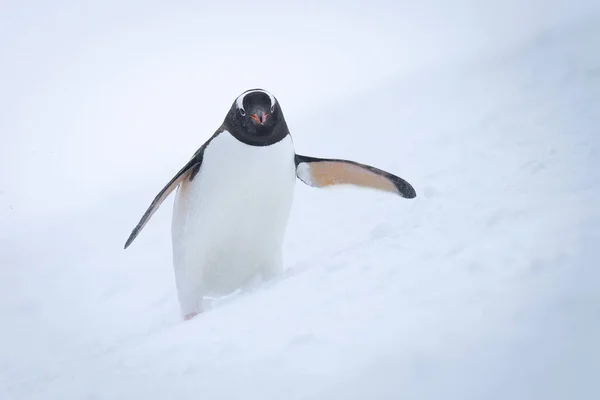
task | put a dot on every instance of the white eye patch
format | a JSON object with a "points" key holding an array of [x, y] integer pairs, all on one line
{"points": [[240, 100]]}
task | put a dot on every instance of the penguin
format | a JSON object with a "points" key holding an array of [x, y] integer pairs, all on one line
{"points": [[234, 197]]}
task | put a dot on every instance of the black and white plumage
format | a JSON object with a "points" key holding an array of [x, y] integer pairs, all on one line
{"points": [[235, 195]]}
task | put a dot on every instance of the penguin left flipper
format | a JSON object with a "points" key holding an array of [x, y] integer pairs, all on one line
{"points": [[323, 172], [189, 169]]}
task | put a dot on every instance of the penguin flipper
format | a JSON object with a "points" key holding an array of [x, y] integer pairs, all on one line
{"points": [[190, 169], [323, 172]]}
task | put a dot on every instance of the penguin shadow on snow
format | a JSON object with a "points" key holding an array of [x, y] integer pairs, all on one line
{"points": [[234, 197]]}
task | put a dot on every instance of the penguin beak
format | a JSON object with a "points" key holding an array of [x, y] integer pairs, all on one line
{"points": [[260, 117]]}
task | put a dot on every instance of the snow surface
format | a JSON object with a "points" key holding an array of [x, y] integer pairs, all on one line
{"points": [[486, 286]]}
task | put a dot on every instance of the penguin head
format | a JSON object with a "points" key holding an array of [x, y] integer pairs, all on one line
{"points": [[256, 118]]}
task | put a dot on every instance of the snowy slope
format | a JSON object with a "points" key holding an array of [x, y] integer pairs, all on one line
{"points": [[485, 286]]}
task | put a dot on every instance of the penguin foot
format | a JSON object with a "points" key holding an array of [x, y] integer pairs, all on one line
{"points": [[191, 315]]}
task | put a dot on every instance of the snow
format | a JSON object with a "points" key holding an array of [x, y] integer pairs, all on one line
{"points": [[485, 286]]}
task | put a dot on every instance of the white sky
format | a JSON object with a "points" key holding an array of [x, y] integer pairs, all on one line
{"points": [[96, 97]]}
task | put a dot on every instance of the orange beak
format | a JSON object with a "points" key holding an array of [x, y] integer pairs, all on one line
{"points": [[260, 117]]}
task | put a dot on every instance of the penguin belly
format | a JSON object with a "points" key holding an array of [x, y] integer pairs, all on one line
{"points": [[229, 221]]}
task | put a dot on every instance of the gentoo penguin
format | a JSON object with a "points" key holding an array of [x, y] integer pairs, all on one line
{"points": [[234, 198]]}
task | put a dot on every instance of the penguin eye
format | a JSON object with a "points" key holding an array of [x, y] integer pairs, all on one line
{"points": [[272, 108], [242, 112]]}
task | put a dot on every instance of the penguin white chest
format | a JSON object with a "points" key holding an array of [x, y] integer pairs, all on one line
{"points": [[229, 221]]}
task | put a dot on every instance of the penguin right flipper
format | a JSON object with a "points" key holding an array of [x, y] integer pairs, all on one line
{"points": [[323, 172], [189, 170]]}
